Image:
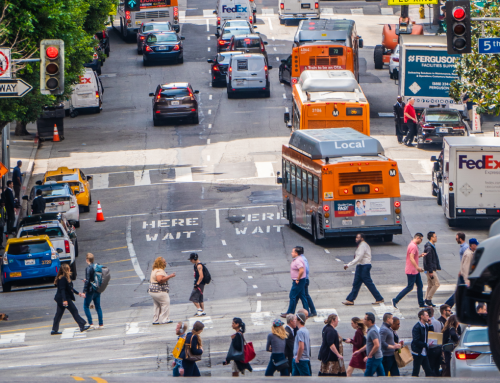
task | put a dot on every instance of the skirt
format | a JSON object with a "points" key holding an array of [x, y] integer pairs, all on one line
{"points": [[332, 369]]}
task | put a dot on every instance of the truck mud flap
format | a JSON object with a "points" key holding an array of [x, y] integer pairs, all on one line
{"points": [[451, 205]]}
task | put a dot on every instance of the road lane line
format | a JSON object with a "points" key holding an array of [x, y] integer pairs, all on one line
{"points": [[136, 357], [209, 126], [264, 169], [124, 260], [100, 181], [255, 286], [259, 307], [259, 294], [12, 338], [208, 26], [250, 277], [99, 380], [78, 378], [274, 49], [230, 256], [208, 38], [338, 260], [115, 248], [217, 219], [209, 111], [190, 251], [209, 96], [277, 59], [223, 243], [208, 49], [208, 141], [245, 270], [270, 24], [326, 251], [141, 177], [131, 250]]}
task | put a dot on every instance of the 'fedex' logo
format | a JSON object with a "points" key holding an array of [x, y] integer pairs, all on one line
{"points": [[487, 162], [236, 8]]}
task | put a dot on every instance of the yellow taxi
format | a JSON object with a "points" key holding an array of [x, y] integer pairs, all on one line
{"points": [[78, 182]]}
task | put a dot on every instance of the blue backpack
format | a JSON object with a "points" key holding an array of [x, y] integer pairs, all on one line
{"points": [[102, 277]]}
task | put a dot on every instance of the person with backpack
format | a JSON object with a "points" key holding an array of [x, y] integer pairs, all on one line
{"points": [[158, 289], [192, 350], [91, 295], [201, 278], [180, 331]]}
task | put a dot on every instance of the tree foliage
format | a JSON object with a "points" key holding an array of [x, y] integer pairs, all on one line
{"points": [[479, 74], [25, 23]]}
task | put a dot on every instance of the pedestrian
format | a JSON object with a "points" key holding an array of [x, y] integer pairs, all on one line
{"points": [[482, 309], [301, 349], [331, 352], [195, 346], [412, 271], [358, 342], [460, 238], [435, 349], [8, 198], [445, 311], [158, 290], [362, 260], [373, 350], [470, 105], [431, 265], [291, 329], [38, 205], [419, 344], [199, 286], [237, 344], [17, 178], [410, 119], [450, 335], [310, 303], [3, 221], [298, 275], [389, 346], [398, 110], [276, 344], [396, 324], [180, 331], [466, 260], [91, 295], [64, 298]]}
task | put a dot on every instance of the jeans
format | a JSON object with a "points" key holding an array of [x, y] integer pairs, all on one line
{"points": [[95, 297], [177, 367], [420, 360], [312, 309], [451, 300], [301, 369], [362, 275], [390, 365], [412, 280], [271, 368], [374, 366], [297, 291]]}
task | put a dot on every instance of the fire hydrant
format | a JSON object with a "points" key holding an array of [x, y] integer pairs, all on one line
{"points": [[421, 12]]}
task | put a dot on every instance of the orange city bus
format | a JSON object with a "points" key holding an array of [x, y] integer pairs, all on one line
{"points": [[328, 99], [338, 182]]}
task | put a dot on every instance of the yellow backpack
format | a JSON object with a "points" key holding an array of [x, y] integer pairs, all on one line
{"points": [[176, 352]]}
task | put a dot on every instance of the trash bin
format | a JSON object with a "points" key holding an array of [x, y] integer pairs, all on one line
{"points": [[51, 115], [496, 130]]}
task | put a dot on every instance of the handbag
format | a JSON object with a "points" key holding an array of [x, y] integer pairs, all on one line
{"points": [[248, 351], [189, 356], [176, 352], [403, 356], [234, 354], [281, 365]]}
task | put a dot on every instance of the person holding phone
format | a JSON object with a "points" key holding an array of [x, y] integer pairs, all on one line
{"points": [[413, 271]]}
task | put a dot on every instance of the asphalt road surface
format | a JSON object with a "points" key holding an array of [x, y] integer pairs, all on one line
{"points": [[209, 188]]}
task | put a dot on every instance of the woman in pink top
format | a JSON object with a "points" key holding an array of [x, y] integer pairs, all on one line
{"points": [[413, 271]]}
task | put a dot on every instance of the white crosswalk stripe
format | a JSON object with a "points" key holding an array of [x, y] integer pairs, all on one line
{"points": [[133, 328], [73, 332], [323, 314], [206, 320], [141, 177], [262, 318], [12, 338], [381, 309]]}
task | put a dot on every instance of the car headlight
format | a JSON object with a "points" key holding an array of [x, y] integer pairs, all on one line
{"points": [[5, 259]]}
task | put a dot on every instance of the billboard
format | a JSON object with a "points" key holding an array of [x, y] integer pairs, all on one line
{"points": [[362, 207]]}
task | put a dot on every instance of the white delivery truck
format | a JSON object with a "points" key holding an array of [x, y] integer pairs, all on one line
{"points": [[234, 10], [466, 179], [87, 94], [298, 10]]}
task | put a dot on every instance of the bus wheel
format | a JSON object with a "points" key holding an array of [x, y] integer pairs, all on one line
{"points": [[439, 199], [315, 234], [378, 56], [388, 237], [494, 324]]}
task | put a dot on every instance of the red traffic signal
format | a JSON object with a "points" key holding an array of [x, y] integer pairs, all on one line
{"points": [[458, 21], [458, 13], [52, 52]]}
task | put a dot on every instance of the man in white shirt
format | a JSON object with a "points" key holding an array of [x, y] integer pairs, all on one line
{"points": [[362, 260]]}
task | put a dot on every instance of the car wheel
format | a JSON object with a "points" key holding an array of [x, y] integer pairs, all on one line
{"points": [[267, 93], [86, 209], [73, 270], [452, 222], [7, 287], [282, 21], [180, 60], [391, 76], [144, 63], [280, 75], [315, 239], [73, 114], [378, 56], [139, 51], [230, 93], [77, 224], [289, 216], [396, 74], [196, 118], [434, 187], [156, 121], [76, 249], [388, 237], [106, 51]]}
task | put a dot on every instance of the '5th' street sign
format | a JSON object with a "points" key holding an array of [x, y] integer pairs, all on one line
{"points": [[489, 45]]}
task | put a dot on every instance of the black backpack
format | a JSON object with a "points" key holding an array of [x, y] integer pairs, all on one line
{"points": [[207, 278]]}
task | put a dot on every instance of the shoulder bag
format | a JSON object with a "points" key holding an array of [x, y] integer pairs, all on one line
{"points": [[234, 354], [248, 351], [189, 356]]}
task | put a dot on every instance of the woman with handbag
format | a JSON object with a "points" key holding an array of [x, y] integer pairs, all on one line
{"points": [[236, 349], [331, 350], [192, 351], [276, 342], [358, 342], [158, 289], [450, 335]]}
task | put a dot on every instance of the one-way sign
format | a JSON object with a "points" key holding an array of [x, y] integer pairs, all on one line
{"points": [[14, 88]]}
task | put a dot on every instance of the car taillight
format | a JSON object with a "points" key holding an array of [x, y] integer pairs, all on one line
{"points": [[262, 47], [53, 254], [326, 208], [230, 69], [82, 188], [466, 354], [218, 20], [127, 15], [316, 5], [395, 59], [216, 68], [458, 127], [104, 34], [96, 96], [176, 48], [282, 6], [66, 246], [250, 18], [5, 259], [397, 203], [222, 42], [294, 81], [148, 49], [143, 37], [72, 206]]}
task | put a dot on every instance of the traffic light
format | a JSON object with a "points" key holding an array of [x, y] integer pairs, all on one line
{"points": [[458, 28], [132, 5], [52, 67]]}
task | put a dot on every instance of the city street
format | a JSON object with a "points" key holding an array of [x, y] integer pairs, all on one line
{"points": [[211, 189]]}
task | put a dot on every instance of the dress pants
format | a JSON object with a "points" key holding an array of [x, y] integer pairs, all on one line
{"points": [[390, 365], [74, 312], [297, 292], [421, 360], [412, 280], [162, 307], [432, 285], [412, 132], [362, 275]]}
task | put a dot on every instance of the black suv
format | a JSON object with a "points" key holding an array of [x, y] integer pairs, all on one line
{"points": [[175, 100]]}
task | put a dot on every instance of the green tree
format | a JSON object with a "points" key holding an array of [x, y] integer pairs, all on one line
{"points": [[479, 74]]}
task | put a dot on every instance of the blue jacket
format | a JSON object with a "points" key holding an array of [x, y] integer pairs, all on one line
{"points": [[419, 335]]}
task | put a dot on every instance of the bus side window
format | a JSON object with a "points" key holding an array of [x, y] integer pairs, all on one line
{"points": [[304, 186], [283, 172], [294, 191], [310, 185], [299, 183], [287, 176], [316, 189]]}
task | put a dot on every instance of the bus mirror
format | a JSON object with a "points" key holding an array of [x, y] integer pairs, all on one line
{"points": [[360, 42], [287, 117], [433, 158], [279, 180], [436, 166]]}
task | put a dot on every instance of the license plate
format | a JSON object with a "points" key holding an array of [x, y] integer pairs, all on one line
{"points": [[443, 130], [51, 208], [239, 82], [347, 222], [29, 262], [174, 103], [306, 5], [84, 95], [13, 275], [480, 211], [161, 48]]}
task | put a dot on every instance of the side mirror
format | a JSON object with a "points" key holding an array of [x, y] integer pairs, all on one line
{"points": [[71, 222], [360, 42], [25, 197], [76, 192], [279, 180], [448, 347], [433, 158], [265, 43], [196, 91], [183, 38], [151, 95], [59, 250], [89, 178], [72, 235], [39, 183], [286, 117], [269, 67], [436, 166], [210, 61]]}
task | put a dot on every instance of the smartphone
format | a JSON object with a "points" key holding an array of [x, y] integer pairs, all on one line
{"points": [[344, 339]]}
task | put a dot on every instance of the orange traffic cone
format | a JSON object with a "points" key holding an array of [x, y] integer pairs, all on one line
{"points": [[100, 215], [56, 134]]}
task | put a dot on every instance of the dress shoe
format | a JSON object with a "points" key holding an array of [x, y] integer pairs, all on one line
{"points": [[378, 302], [283, 315], [394, 303], [348, 303], [84, 328]]}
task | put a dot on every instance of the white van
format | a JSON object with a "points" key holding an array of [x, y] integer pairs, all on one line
{"points": [[248, 73], [298, 10], [87, 94], [232, 10]]}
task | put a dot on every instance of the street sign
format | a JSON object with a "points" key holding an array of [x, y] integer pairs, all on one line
{"points": [[14, 88], [3, 170], [5, 63], [408, 2], [489, 45]]}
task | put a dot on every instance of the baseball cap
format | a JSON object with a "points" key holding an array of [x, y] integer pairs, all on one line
{"points": [[473, 241], [193, 257], [301, 317]]}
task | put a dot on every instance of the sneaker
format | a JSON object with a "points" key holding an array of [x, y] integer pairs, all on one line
{"points": [[168, 322], [155, 323], [100, 327], [394, 303], [348, 303], [313, 315], [429, 303], [84, 328], [201, 313], [55, 333]]}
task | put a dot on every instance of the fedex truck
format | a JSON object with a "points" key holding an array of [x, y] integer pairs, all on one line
{"points": [[234, 9], [466, 179]]}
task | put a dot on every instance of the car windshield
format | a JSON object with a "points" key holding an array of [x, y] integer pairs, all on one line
{"points": [[54, 190], [442, 117], [157, 27], [236, 23], [476, 336], [172, 93], [233, 32], [247, 43], [168, 37], [63, 177], [225, 56], [41, 230], [28, 248]]}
